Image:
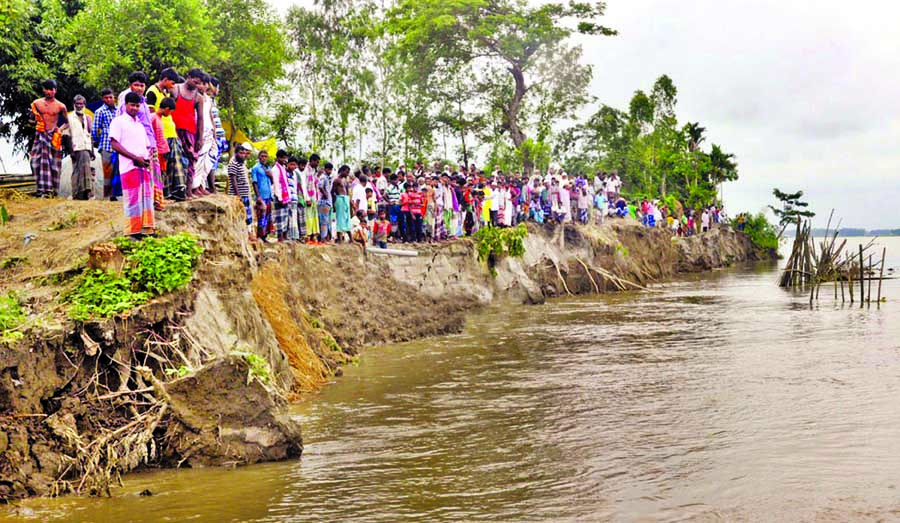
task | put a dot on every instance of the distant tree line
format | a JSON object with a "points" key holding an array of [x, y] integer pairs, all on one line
{"points": [[366, 81]]}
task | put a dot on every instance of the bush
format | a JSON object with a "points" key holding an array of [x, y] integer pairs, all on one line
{"points": [[761, 232], [153, 267], [500, 242], [11, 317]]}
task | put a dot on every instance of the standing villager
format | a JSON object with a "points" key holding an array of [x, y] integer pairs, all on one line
{"points": [[100, 134], [137, 82], [262, 186], [341, 205], [280, 195], [159, 91], [160, 169], [189, 123], [129, 140], [46, 151], [295, 228], [238, 181], [207, 150], [80, 125]]}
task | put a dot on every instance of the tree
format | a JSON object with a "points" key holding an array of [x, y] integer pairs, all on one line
{"points": [[30, 53], [250, 58], [791, 210], [109, 39], [503, 33]]}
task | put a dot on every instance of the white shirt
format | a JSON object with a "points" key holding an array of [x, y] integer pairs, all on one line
{"points": [[359, 196]]}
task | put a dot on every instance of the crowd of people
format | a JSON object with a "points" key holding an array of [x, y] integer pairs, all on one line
{"points": [[164, 143]]}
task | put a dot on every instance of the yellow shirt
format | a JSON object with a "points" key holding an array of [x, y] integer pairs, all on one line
{"points": [[486, 206], [168, 124]]}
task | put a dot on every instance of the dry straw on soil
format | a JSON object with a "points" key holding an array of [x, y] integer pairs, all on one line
{"points": [[271, 292]]}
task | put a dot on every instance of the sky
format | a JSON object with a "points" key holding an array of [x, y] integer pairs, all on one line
{"points": [[805, 94]]}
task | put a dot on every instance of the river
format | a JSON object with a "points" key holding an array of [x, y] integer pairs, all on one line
{"points": [[715, 397]]}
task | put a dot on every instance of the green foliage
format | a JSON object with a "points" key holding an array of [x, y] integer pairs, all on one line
{"points": [[11, 317], [161, 265], [71, 220], [493, 243], [153, 267], [99, 294], [4, 215], [330, 343], [761, 232], [105, 47], [180, 372], [259, 367], [792, 207]]}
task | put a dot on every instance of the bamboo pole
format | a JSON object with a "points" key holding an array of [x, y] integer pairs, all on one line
{"points": [[850, 285], [869, 291], [881, 274], [862, 278], [843, 299]]}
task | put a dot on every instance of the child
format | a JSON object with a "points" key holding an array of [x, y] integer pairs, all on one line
{"points": [[359, 231], [370, 205], [381, 229]]}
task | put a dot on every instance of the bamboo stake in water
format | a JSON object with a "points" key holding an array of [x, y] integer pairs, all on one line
{"points": [[850, 285], [881, 276], [843, 299], [862, 278], [869, 292]]}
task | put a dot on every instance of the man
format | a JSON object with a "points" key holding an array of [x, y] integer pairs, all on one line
{"points": [[189, 123], [262, 187], [296, 219], [100, 134], [341, 204], [137, 81], [358, 200], [161, 89], [129, 140], [308, 199], [46, 152], [281, 198], [172, 174], [238, 182], [80, 125]]}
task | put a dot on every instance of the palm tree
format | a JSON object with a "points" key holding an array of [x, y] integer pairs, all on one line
{"points": [[724, 168], [694, 136]]}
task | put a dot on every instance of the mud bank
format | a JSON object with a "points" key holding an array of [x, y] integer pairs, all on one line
{"points": [[200, 377]]}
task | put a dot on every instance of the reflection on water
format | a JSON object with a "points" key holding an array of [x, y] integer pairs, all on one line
{"points": [[720, 397]]}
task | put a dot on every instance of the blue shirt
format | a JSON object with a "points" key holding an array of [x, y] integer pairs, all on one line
{"points": [[100, 133], [262, 181]]}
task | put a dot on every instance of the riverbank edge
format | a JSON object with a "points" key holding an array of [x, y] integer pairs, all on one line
{"points": [[303, 310]]}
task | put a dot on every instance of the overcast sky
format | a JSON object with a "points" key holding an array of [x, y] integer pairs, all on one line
{"points": [[805, 94]]}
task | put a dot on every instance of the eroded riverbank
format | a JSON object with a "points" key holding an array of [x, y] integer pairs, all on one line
{"points": [[715, 397], [304, 311]]}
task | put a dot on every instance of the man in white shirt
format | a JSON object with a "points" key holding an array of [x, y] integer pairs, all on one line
{"points": [[358, 196]]}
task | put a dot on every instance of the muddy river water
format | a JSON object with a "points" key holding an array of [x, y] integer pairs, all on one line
{"points": [[717, 397]]}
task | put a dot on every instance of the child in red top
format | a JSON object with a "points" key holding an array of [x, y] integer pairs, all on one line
{"points": [[380, 230]]}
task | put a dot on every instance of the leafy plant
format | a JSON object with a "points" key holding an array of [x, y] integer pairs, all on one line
{"points": [[4, 215], [153, 267], [761, 232], [102, 294], [161, 265], [11, 317], [180, 372], [493, 243], [71, 220], [259, 367]]}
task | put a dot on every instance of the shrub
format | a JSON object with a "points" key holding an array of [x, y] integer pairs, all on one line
{"points": [[496, 242], [153, 267], [761, 232], [11, 317]]}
